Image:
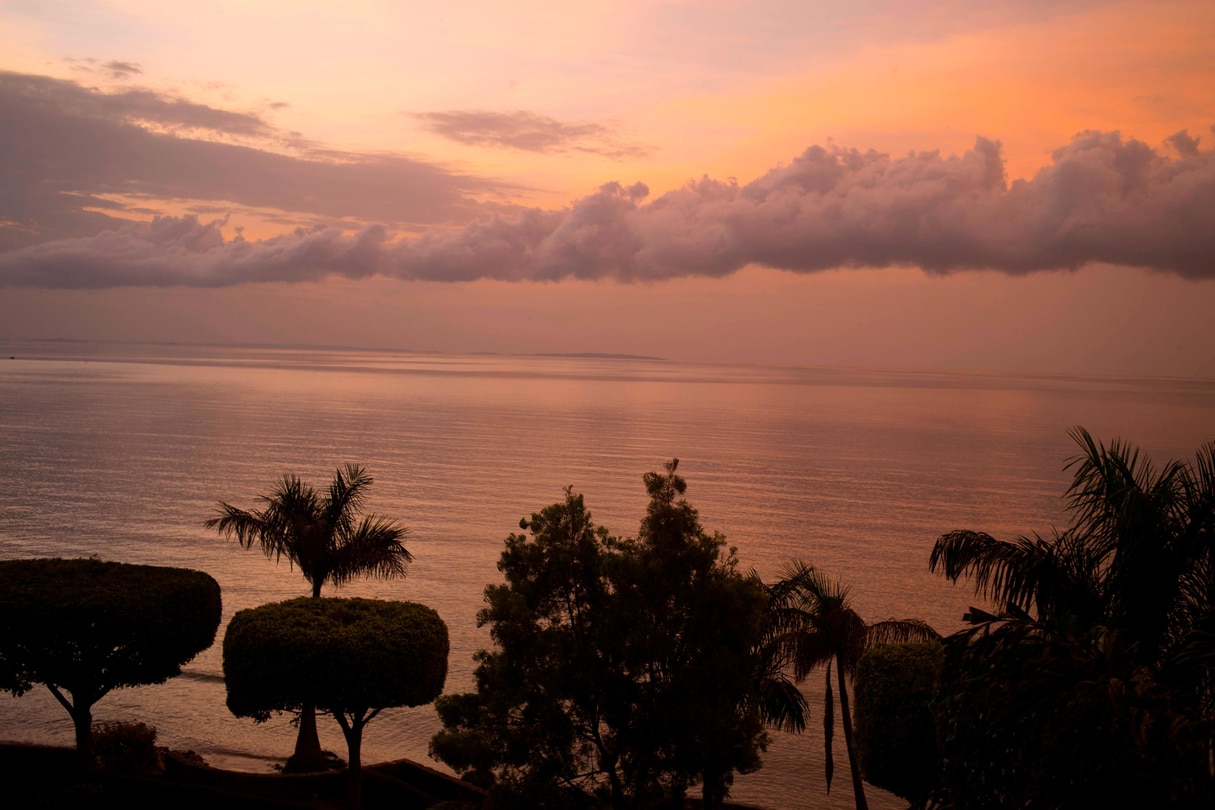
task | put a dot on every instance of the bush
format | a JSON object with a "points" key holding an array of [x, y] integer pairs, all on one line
{"points": [[895, 730], [126, 746]]}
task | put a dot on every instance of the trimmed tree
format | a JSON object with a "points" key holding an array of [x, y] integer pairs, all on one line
{"points": [[352, 658], [323, 536], [83, 628], [896, 741]]}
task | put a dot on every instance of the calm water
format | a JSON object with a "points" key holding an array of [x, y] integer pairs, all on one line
{"points": [[122, 452]]}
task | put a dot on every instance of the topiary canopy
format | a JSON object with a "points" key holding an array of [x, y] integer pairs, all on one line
{"points": [[337, 654], [895, 687], [104, 625], [86, 627], [349, 657]]}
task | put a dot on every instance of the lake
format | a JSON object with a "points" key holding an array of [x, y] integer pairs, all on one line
{"points": [[123, 450]]}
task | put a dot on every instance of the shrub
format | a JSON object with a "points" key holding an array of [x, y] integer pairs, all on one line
{"points": [[126, 746], [895, 730]]}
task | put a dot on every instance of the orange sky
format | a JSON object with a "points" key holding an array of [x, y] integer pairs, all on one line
{"points": [[418, 119]]}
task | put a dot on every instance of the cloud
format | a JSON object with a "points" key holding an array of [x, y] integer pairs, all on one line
{"points": [[65, 148], [1103, 199], [527, 132], [113, 69], [21, 92], [185, 251]]}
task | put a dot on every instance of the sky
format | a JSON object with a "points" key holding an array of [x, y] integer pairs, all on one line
{"points": [[1010, 187]]}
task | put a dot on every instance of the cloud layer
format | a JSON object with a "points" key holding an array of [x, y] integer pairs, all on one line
{"points": [[1103, 199], [67, 150]]}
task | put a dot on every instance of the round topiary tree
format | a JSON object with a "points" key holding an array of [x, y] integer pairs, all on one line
{"points": [[895, 687], [85, 627], [349, 657]]}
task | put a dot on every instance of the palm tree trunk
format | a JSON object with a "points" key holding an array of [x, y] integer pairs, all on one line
{"points": [[828, 731], [858, 789], [308, 756]]}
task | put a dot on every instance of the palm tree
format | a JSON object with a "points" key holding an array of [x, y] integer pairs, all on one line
{"points": [[774, 696], [1138, 556], [1125, 595], [323, 536], [819, 627]]}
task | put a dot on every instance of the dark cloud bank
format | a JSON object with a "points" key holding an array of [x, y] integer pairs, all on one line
{"points": [[1103, 199], [66, 150]]}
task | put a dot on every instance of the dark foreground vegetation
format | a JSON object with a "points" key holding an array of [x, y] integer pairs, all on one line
{"points": [[83, 628], [636, 672], [626, 669], [47, 778], [323, 536], [350, 658], [1095, 674]]}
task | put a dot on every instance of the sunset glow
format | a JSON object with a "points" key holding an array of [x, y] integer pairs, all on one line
{"points": [[1009, 187]]}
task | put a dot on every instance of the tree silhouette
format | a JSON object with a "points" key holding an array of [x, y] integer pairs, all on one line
{"points": [[85, 627], [284, 655], [819, 627], [325, 538], [1103, 646], [624, 669], [775, 695]]}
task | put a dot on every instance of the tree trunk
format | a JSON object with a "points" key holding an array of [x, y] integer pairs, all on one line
{"points": [[712, 791], [82, 718], [354, 789], [353, 732], [858, 790], [618, 795], [81, 712], [308, 756]]}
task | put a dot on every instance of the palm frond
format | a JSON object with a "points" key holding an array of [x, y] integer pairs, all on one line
{"points": [[899, 631], [808, 650], [1116, 496], [1002, 571], [250, 529], [323, 536], [236, 523], [781, 703], [374, 548], [347, 493]]}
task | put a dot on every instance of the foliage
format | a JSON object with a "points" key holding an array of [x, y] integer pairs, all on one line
{"points": [[818, 627], [896, 741], [1094, 682], [335, 653], [625, 670], [322, 536], [126, 746], [85, 627], [350, 657]]}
